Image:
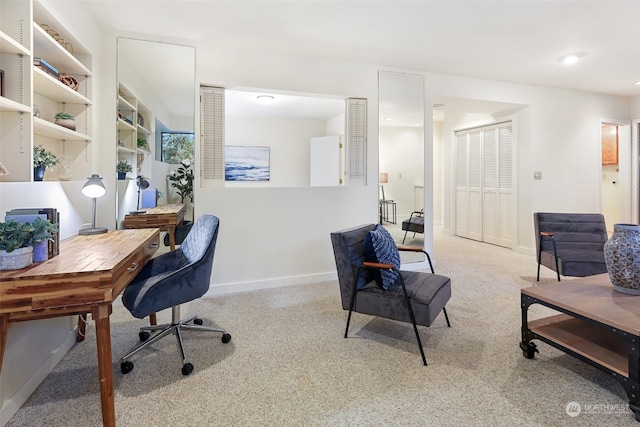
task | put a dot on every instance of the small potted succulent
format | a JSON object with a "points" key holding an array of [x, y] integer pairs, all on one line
{"points": [[42, 159], [66, 120], [17, 241], [123, 168]]}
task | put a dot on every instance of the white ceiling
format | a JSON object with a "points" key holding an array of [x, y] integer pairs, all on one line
{"points": [[512, 40]]}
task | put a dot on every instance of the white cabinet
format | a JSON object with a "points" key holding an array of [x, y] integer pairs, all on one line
{"points": [[32, 97]]}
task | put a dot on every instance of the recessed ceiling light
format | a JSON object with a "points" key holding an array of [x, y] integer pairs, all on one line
{"points": [[637, 83], [388, 118], [572, 58], [265, 99]]}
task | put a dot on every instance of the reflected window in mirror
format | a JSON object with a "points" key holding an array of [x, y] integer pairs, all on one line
{"points": [[175, 147]]}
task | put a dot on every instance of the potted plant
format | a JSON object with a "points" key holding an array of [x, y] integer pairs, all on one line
{"points": [[42, 159], [17, 240], [66, 120], [143, 144], [182, 179], [122, 168]]}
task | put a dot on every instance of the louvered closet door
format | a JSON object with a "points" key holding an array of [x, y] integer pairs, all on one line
{"points": [[484, 184], [462, 185]]}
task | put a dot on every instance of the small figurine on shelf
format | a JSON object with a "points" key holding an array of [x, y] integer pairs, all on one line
{"points": [[122, 168]]}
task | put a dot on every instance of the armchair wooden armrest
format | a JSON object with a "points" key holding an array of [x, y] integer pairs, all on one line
{"points": [[378, 265]]}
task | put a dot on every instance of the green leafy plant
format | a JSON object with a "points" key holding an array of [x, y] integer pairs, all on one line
{"points": [[63, 115], [142, 143], [124, 167], [43, 158], [182, 179], [15, 234]]}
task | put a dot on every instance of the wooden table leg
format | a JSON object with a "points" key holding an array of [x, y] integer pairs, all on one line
{"points": [[171, 231], [4, 327], [100, 315]]}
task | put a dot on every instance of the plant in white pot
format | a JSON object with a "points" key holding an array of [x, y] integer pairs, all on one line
{"points": [[18, 238], [66, 120]]}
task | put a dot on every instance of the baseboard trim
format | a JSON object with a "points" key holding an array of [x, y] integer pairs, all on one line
{"points": [[18, 399], [229, 288]]}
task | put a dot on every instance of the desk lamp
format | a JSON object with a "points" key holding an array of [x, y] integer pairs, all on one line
{"points": [[93, 188], [142, 184]]}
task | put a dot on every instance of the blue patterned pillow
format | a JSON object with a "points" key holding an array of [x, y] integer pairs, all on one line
{"points": [[380, 247]]}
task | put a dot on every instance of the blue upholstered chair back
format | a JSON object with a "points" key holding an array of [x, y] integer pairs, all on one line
{"points": [[175, 277]]}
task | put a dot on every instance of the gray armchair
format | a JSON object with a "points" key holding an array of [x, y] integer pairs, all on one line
{"points": [[169, 280], [571, 244], [415, 298]]}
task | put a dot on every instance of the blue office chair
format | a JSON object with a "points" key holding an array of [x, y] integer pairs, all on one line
{"points": [[172, 279]]}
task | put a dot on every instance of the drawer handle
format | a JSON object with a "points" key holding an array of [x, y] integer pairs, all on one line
{"points": [[133, 267], [154, 245]]}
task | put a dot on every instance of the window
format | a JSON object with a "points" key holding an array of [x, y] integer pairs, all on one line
{"points": [[177, 146]]}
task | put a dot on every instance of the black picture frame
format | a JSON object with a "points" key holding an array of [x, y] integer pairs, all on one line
{"points": [[1, 82]]}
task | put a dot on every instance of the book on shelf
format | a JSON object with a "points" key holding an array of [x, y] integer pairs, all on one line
{"points": [[46, 67]]}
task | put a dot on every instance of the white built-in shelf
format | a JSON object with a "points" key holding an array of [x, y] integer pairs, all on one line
{"points": [[11, 47], [52, 130], [126, 150], [7, 104], [123, 125], [53, 89], [125, 105], [44, 46]]}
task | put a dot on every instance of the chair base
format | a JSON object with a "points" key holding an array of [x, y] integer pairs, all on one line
{"points": [[175, 327]]}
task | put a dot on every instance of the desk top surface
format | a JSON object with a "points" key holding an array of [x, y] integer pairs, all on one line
{"points": [[89, 270], [592, 297]]}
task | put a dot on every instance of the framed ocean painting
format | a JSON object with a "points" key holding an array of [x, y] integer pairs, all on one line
{"points": [[246, 163]]}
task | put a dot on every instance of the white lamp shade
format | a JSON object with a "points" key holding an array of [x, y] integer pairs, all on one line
{"points": [[94, 187]]}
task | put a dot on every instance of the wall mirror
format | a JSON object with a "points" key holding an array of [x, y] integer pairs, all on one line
{"points": [[153, 101], [286, 139], [401, 159]]}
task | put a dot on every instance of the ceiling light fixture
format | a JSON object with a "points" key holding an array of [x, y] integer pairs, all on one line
{"points": [[265, 99], [572, 58], [637, 83]]}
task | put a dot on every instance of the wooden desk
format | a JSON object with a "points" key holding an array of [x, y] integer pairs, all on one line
{"points": [[597, 325], [165, 217], [87, 276]]}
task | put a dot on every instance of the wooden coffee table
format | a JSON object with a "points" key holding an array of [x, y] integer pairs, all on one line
{"points": [[595, 324]]}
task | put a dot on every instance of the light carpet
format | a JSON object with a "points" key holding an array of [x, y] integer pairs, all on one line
{"points": [[289, 365]]}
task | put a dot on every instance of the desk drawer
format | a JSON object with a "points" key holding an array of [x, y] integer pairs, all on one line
{"points": [[133, 264]]}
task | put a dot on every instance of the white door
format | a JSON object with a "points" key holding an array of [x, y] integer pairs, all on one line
{"points": [[324, 161], [484, 184]]}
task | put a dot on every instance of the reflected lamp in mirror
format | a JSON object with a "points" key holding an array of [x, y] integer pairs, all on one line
{"points": [[384, 179], [93, 189], [142, 184]]}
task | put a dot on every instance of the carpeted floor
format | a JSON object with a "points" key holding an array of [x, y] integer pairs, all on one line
{"points": [[289, 365]]}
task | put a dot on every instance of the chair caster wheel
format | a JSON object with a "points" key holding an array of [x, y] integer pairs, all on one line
{"points": [[144, 335], [197, 321], [529, 349], [226, 338], [126, 367], [187, 368]]}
